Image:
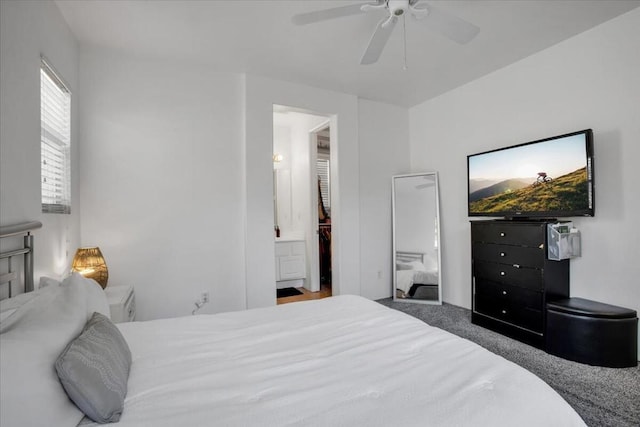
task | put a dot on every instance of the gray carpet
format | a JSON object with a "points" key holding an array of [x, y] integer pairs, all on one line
{"points": [[602, 396]]}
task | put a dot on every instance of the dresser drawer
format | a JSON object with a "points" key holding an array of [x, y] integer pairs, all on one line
{"points": [[532, 235], [524, 317], [508, 254], [511, 295], [524, 277]]}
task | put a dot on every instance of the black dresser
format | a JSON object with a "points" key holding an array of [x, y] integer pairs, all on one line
{"points": [[512, 278]]}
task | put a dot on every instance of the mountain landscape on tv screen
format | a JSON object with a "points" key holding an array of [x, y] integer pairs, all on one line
{"points": [[568, 192]]}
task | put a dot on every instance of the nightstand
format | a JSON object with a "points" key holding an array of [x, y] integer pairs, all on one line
{"points": [[122, 303]]}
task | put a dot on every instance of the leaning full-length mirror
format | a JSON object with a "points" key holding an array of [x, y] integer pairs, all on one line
{"points": [[416, 238]]}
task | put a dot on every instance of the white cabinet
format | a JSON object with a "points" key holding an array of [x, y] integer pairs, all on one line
{"points": [[290, 260], [122, 303]]}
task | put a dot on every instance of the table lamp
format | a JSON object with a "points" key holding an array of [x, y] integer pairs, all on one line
{"points": [[90, 263]]}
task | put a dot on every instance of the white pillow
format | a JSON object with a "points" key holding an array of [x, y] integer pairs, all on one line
{"points": [[30, 391], [10, 306], [12, 309], [19, 300], [95, 298], [431, 261], [418, 266], [48, 281], [6, 313], [411, 265], [400, 265]]}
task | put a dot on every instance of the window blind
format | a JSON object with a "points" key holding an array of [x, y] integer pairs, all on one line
{"points": [[55, 142], [324, 174]]}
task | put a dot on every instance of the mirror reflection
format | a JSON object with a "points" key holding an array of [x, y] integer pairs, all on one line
{"points": [[416, 231]]}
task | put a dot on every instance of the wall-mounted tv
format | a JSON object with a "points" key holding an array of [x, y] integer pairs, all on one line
{"points": [[548, 178]]}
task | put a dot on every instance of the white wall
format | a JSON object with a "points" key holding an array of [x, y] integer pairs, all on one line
{"points": [[151, 131], [162, 182], [383, 152], [28, 30], [589, 81]]}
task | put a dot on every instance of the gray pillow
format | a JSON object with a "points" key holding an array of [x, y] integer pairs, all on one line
{"points": [[94, 369]]}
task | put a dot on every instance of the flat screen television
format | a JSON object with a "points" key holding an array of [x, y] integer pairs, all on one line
{"points": [[548, 178]]}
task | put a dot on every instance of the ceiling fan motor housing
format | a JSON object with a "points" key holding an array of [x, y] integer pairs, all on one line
{"points": [[398, 7]]}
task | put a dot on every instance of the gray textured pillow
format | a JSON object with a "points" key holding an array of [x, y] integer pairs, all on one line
{"points": [[94, 369]]}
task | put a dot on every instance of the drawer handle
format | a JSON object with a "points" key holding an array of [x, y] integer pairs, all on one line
{"points": [[516, 265], [501, 253], [502, 234], [502, 273], [504, 292]]}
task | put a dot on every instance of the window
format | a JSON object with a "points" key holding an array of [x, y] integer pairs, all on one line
{"points": [[55, 141]]}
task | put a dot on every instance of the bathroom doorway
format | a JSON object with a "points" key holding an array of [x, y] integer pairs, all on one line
{"points": [[302, 204]]}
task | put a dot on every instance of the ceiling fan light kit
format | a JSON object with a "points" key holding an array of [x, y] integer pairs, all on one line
{"points": [[450, 26]]}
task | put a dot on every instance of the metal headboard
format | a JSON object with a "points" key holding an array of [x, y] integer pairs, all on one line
{"points": [[26, 251], [406, 256]]}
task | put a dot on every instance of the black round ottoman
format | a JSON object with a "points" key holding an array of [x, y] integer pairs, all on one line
{"points": [[592, 332]]}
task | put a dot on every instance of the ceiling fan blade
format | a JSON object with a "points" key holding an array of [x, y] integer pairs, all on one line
{"points": [[326, 14], [378, 40], [450, 26]]}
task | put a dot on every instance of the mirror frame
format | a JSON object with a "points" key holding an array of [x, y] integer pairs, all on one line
{"points": [[439, 248]]}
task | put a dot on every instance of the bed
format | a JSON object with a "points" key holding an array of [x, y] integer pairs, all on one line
{"points": [[416, 275], [339, 361]]}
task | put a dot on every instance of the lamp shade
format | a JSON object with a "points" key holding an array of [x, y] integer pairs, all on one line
{"points": [[90, 263]]}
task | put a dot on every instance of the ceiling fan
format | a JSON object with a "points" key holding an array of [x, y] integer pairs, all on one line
{"points": [[451, 26]]}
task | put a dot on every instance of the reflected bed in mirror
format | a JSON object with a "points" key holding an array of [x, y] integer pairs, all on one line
{"points": [[416, 245]]}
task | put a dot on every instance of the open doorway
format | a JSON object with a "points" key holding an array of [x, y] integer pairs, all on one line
{"points": [[302, 204]]}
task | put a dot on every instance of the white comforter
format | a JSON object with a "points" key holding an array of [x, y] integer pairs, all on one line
{"points": [[341, 361]]}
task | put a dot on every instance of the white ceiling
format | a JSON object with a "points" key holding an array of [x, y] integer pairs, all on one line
{"points": [[257, 37]]}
